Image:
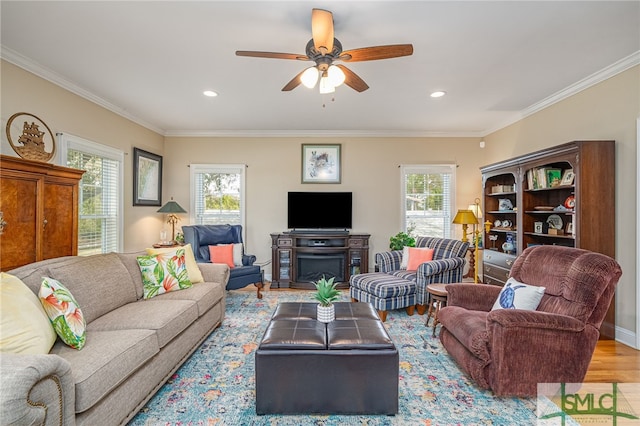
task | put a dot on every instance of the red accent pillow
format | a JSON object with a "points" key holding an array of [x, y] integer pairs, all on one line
{"points": [[221, 254], [418, 256]]}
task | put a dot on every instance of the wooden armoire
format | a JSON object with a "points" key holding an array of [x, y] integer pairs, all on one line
{"points": [[39, 211]]}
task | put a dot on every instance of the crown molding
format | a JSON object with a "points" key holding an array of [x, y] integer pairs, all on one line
{"points": [[33, 67], [587, 82]]}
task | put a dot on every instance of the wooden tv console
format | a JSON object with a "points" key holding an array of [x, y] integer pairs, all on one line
{"points": [[298, 258]]}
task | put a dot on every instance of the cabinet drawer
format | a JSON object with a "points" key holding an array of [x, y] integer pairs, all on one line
{"points": [[285, 242], [498, 258], [495, 273], [356, 243]]}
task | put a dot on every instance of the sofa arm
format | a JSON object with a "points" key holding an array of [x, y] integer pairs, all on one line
{"points": [[388, 261], [36, 389], [474, 297], [215, 272]]}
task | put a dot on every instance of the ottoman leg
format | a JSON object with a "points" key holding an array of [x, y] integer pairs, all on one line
{"points": [[411, 309], [353, 300], [382, 315]]}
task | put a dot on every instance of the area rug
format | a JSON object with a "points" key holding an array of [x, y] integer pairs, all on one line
{"points": [[216, 385]]}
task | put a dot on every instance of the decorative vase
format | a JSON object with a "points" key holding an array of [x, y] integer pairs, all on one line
{"points": [[326, 313]]}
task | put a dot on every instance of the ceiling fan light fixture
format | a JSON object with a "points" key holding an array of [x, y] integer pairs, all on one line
{"points": [[309, 77], [335, 75], [326, 86]]}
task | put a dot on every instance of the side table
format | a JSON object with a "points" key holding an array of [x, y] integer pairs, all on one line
{"points": [[437, 299]]}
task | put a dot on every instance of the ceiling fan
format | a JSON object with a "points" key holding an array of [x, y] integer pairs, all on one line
{"points": [[324, 50]]}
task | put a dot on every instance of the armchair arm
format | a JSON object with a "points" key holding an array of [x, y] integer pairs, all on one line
{"points": [[441, 271], [388, 261], [215, 272], [475, 297], [248, 259], [521, 319], [36, 389]]}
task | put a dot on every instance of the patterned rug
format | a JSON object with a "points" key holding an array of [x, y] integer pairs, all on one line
{"points": [[216, 385]]}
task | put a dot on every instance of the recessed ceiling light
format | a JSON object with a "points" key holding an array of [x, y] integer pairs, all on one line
{"points": [[210, 93], [438, 94]]}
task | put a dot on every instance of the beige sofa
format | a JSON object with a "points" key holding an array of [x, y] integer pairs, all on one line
{"points": [[133, 345]]}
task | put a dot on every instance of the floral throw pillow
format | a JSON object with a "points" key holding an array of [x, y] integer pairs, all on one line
{"points": [[164, 272], [63, 312]]}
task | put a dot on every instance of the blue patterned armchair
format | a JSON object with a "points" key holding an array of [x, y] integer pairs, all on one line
{"points": [[446, 267]]}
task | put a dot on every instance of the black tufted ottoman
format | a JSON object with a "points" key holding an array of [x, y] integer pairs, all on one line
{"points": [[349, 366]]}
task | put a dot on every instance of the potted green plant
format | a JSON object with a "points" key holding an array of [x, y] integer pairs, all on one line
{"points": [[326, 293], [401, 240]]}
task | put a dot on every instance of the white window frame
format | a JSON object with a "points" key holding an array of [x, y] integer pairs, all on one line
{"points": [[67, 142], [218, 168], [425, 169]]}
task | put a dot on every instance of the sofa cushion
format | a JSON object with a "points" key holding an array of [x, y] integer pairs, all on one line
{"points": [[517, 295], [166, 317], [205, 295], [195, 276], [24, 325], [108, 359], [164, 272], [63, 312], [97, 293]]}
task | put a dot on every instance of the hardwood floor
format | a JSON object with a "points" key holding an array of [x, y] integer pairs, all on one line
{"points": [[612, 361]]}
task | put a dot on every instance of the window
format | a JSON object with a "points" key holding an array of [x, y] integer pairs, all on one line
{"points": [[428, 193], [217, 194], [100, 196]]}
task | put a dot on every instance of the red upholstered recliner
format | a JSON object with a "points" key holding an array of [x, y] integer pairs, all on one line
{"points": [[510, 351]]}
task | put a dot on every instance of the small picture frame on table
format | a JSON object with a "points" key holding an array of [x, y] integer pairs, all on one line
{"points": [[147, 178], [570, 228], [567, 177]]}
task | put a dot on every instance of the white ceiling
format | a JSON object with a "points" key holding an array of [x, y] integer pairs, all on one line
{"points": [[151, 60]]}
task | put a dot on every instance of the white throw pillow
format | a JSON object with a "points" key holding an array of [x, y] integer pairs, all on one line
{"points": [[405, 258], [517, 295]]}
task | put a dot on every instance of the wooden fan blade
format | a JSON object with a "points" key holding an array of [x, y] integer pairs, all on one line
{"points": [[377, 52], [352, 80], [273, 55], [295, 82], [322, 30]]}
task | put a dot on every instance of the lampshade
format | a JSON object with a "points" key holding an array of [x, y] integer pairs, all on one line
{"points": [[309, 77], [325, 85], [171, 207], [336, 76], [465, 217]]}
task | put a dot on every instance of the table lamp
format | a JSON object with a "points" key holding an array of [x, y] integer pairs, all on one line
{"points": [[465, 218], [171, 208]]}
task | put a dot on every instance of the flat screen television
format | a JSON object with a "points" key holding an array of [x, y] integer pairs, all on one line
{"points": [[319, 210]]}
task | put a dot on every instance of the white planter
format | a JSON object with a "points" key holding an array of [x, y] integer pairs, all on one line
{"points": [[326, 313]]}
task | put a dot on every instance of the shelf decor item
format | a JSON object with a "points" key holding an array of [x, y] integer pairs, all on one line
{"points": [[326, 293], [567, 177], [30, 137]]}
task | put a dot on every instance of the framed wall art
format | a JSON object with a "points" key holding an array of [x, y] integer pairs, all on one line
{"points": [[321, 163], [147, 178]]}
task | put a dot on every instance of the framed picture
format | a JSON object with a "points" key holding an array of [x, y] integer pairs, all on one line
{"points": [[147, 178], [554, 177], [567, 177], [321, 163], [570, 228]]}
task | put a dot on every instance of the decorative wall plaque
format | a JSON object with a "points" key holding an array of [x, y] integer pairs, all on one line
{"points": [[30, 137]]}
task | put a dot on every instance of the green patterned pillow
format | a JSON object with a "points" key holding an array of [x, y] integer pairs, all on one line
{"points": [[164, 272], [63, 312]]}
